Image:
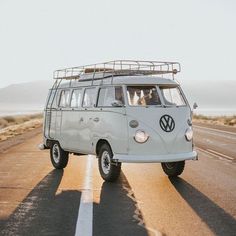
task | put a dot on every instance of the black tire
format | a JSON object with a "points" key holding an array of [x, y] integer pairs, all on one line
{"points": [[109, 170], [59, 157], [173, 169]]}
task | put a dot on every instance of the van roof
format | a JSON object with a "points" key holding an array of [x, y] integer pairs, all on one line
{"points": [[120, 80]]}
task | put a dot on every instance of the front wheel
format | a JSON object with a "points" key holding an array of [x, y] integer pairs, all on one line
{"points": [[59, 157], [173, 169], [109, 170]]}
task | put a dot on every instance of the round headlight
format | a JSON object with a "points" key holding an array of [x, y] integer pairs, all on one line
{"points": [[141, 136], [189, 134]]}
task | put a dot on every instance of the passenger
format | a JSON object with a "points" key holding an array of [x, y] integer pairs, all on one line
{"points": [[139, 99], [154, 100], [131, 92], [147, 96], [145, 100]]}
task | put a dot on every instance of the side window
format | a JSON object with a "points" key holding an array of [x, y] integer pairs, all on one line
{"points": [[76, 98], [50, 98], [109, 96], [89, 97], [64, 98]]}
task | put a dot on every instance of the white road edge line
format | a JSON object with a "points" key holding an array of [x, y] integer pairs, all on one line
{"points": [[84, 225], [215, 155], [205, 151], [217, 130], [220, 154]]}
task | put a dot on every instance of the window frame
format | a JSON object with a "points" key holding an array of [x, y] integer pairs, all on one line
{"points": [[111, 86], [96, 95], [79, 105], [60, 94], [51, 99]]}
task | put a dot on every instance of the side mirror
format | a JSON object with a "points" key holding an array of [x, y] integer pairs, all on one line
{"points": [[117, 103], [195, 105]]}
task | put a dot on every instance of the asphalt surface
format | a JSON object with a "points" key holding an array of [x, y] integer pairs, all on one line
{"points": [[35, 199]]}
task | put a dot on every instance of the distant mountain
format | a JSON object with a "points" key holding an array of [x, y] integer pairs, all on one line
{"points": [[32, 93], [24, 98]]}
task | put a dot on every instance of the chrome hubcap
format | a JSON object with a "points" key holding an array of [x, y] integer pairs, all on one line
{"points": [[106, 162], [56, 153]]}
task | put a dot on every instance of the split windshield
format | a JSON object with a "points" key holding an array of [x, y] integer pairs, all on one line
{"points": [[149, 95]]}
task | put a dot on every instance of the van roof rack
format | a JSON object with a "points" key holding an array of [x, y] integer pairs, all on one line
{"points": [[117, 68]]}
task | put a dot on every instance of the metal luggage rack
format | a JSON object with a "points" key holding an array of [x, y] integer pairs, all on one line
{"points": [[117, 68]]}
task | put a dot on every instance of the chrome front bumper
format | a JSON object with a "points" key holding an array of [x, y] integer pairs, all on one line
{"points": [[155, 158]]}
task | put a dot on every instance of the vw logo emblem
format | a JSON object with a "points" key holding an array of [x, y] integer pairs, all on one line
{"points": [[167, 123]]}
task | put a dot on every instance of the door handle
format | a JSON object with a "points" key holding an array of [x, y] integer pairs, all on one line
{"points": [[81, 119], [96, 119]]}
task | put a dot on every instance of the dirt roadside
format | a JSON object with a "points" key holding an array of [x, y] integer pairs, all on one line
{"points": [[13, 141]]}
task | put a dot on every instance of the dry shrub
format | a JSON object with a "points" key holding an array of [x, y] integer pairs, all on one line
{"points": [[3, 123], [221, 120], [10, 119], [230, 121], [18, 119], [36, 116], [200, 117]]}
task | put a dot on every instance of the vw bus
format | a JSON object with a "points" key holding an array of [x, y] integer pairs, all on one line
{"points": [[120, 111]]}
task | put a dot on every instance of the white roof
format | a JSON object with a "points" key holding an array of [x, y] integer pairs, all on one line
{"points": [[120, 80], [142, 80]]}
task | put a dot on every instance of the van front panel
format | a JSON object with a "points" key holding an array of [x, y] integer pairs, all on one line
{"points": [[159, 142]]}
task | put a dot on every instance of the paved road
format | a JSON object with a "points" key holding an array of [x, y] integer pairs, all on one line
{"points": [[35, 199], [220, 143]]}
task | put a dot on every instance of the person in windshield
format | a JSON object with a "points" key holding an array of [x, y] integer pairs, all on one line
{"points": [[145, 99], [143, 95], [155, 99], [139, 100], [150, 97], [131, 93]]}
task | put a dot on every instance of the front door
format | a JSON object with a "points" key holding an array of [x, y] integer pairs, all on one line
{"points": [[109, 121]]}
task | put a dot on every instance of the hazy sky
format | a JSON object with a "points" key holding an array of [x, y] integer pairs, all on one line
{"points": [[37, 37]]}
